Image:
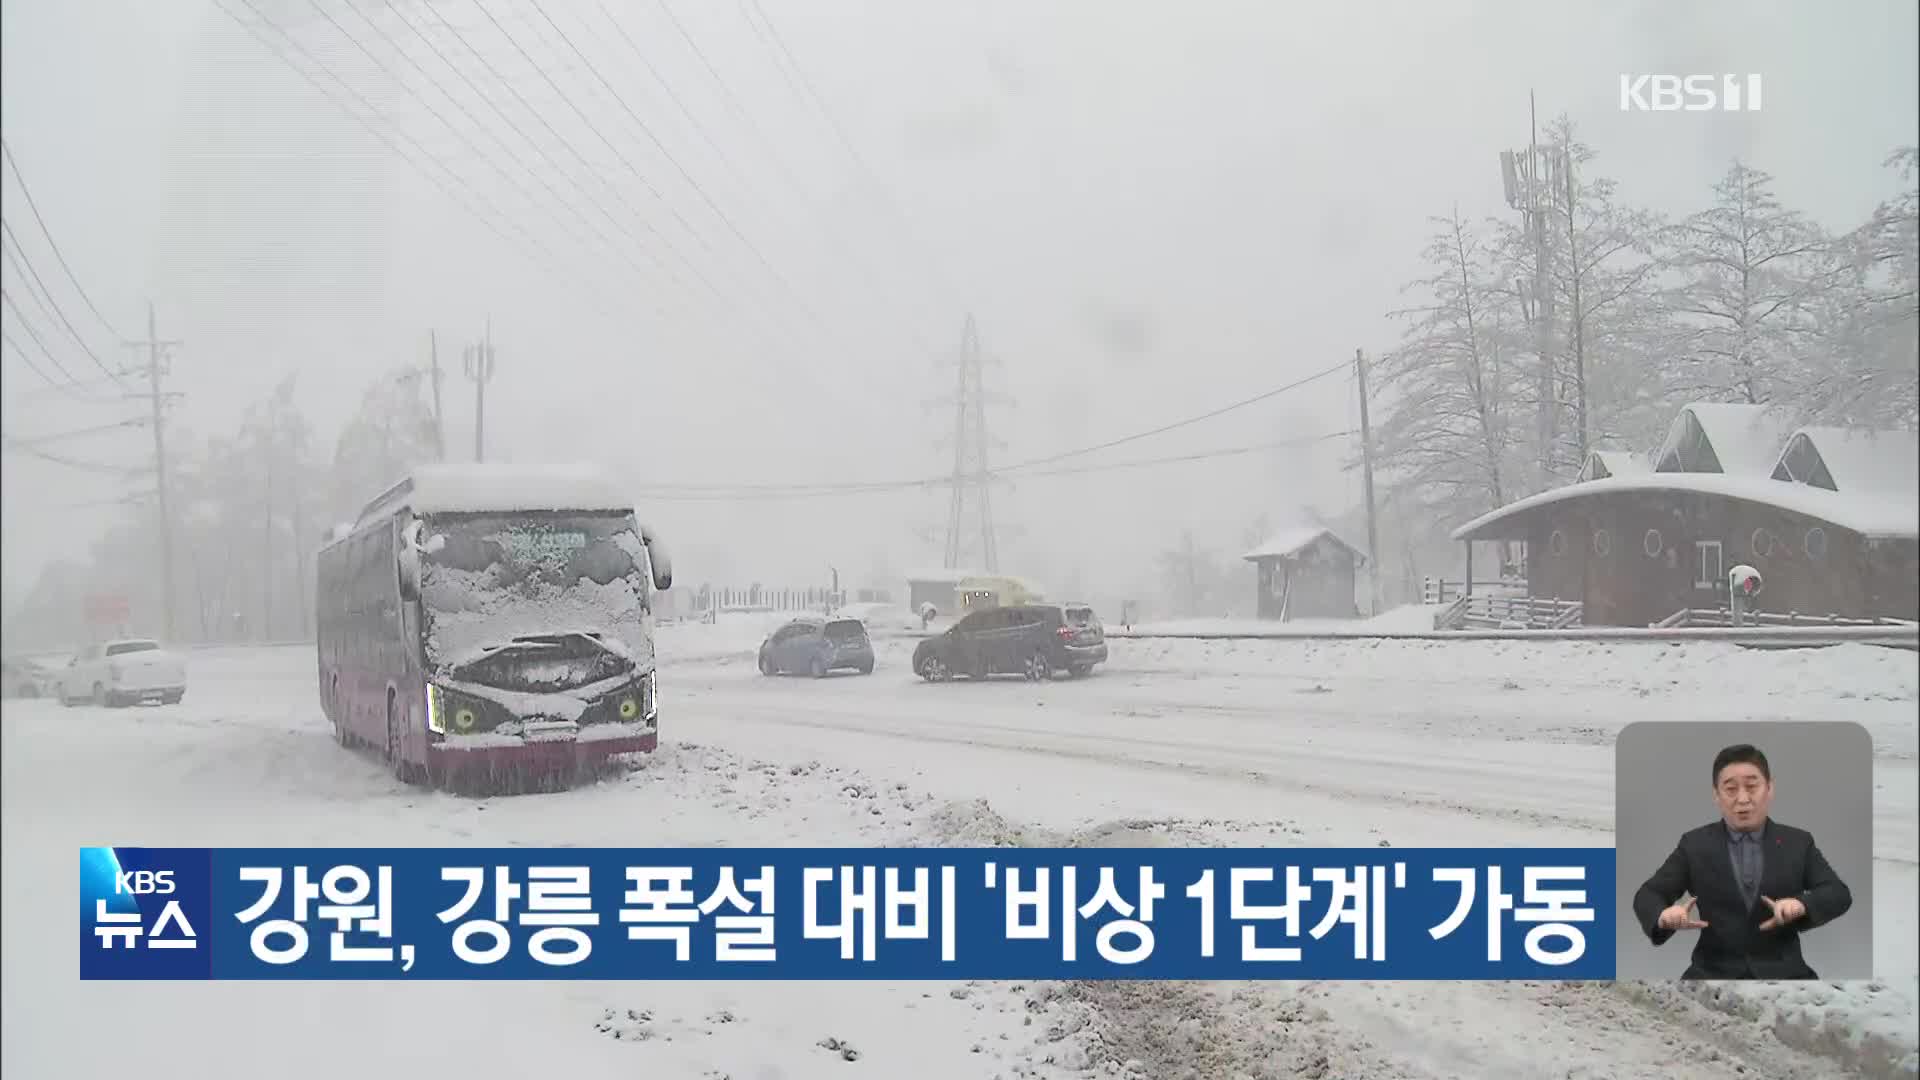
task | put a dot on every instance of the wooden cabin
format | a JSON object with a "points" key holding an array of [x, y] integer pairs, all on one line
{"points": [[1636, 548], [1306, 572]]}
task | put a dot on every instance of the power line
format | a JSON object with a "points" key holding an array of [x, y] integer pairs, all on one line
{"points": [[591, 126], [833, 236], [21, 444], [726, 305], [70, 388], [389, 143], [754, 492], [26, 325], [537, 174], [846, 143], [458, 133], [73, 463], [1033, 463], [698, 189], [44, 231], [1205, 455], [747, 316], [1177, 424], [7, 231]]}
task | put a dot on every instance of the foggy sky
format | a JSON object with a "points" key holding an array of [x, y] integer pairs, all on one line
{"points": [[1151, 210]]}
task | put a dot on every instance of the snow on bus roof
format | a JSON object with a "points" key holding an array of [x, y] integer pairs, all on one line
{"points": [[483, 488]]}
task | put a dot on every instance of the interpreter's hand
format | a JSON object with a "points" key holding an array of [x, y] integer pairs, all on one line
{"points": [[1784, 912], [1682, 916]]}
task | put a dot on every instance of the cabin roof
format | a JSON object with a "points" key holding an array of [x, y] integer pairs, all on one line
{"points": [[1745, 439], [1291, 541], [1859, 460], [1873, 515], [1601, 464]]}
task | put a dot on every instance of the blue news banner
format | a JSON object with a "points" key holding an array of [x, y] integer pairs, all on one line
{"points": [[846, 913]]}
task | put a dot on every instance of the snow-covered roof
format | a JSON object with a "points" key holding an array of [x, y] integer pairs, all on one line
{"points": [[483, 488], [1601, 464], [1291, 541], [1031, 587], [1745, 439], [1872, 515], [1856, 459]]}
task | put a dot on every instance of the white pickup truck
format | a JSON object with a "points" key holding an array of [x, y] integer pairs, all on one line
{"points": [[127, 672]]}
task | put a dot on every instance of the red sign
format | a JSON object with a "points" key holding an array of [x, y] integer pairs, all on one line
{"points": [[107, 608]]}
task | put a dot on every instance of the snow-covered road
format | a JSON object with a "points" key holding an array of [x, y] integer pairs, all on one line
{"points": [[1183, 742]]}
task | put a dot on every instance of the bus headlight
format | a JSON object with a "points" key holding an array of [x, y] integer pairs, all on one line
{"points": [[457, 714], [631, 704]]}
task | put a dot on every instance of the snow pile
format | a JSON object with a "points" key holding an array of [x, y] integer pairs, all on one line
{"points": [[1868, 1026], [1706, 668], [1406, 619]]}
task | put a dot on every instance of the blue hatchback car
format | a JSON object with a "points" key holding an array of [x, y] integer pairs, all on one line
{"points": [[815, 646]]}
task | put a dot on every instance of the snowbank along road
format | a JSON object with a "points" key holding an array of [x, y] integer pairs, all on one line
{"points": [[1349, 743]]}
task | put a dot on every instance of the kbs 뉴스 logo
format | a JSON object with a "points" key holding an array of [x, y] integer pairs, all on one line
{"points": [[144, 913]]}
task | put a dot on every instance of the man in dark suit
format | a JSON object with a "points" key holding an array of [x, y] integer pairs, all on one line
{"points": [[1749, 884]]}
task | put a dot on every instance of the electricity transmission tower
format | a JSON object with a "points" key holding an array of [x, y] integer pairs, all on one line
{"points": [[970, 505]]}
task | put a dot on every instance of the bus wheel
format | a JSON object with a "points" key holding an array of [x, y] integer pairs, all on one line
{"points": [[395, 751], [336, 714]]}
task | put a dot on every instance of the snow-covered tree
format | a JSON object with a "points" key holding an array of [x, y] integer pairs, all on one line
{"points": [[1749, 278], [392, 432], [1868, 365], [1604, 276], [1195, 581], [1446, 438]]}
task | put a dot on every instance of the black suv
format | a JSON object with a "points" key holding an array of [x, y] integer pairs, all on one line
{"points": [[1035, 640]]}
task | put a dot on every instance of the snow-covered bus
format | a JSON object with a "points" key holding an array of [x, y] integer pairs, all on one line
{"points": [[492, 618]]}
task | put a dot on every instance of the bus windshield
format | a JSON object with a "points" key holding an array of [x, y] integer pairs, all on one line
{"points": [[548, 601]]}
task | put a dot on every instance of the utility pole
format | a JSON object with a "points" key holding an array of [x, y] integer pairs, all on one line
{"points": [[479, 362], [155, 368], [439, 414], [266, 594], [1576, 317], [1542, 302], [1525, 188], [1366, 476]]}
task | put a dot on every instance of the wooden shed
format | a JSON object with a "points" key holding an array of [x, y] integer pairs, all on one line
{"points": [[1306, 572]]}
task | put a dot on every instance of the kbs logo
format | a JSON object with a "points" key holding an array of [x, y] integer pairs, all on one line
{"points": [[1689, 93], [144, 882]]}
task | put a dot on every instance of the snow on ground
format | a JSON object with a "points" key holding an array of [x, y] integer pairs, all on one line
{"points": [[1356, 743], [1407, 619]]}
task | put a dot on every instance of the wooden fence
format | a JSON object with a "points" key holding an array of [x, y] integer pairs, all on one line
{"points": [[1490, 611]]}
